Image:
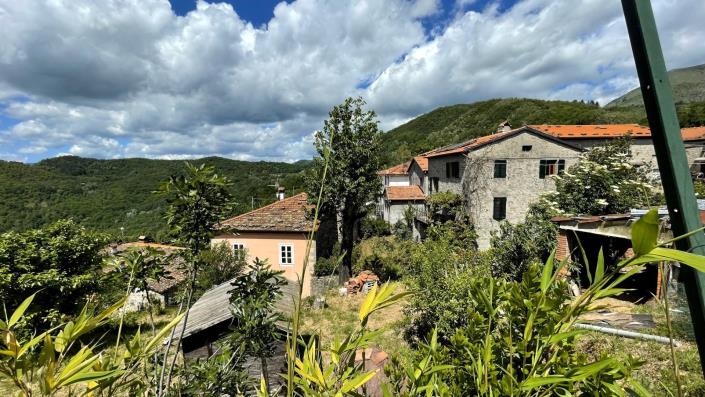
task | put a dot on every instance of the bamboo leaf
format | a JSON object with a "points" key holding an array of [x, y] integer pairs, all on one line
{"points": [[645, 233], [160, 335], [358, 381], [547, 274], [538, 381], [91, 376], [20, 311], [600, 270]]}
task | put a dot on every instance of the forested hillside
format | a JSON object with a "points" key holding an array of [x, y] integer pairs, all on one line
{"points": [[457, 123], [109, 194], [688, 86]]}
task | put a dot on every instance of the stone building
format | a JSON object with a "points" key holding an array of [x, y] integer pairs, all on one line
{"points": [[501, 174]]}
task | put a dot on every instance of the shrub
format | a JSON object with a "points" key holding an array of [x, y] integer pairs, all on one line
{"points": [[381, 255], [374, 227], [328, 266]]}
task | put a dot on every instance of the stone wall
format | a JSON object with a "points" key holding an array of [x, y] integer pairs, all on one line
{"points": [[319, 285]]}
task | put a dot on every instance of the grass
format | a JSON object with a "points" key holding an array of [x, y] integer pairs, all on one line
{"points": [[339, 318]]}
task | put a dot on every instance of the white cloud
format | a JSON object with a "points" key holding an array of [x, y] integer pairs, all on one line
{"points": [[130, 78]]}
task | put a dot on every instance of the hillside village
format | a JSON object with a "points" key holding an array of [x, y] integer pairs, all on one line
{"points": [[298, 228]]}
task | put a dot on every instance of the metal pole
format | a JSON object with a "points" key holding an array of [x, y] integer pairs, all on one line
{"points": [[670, 152]]}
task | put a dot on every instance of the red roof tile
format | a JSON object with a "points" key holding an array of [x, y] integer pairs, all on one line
{"points": [[404, 193], [399, 169], [570, 131], [693, 133], [422, 161], [288, 215]]}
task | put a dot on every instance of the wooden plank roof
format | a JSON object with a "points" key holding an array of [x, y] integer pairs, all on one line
{"points": [[213, 307]]}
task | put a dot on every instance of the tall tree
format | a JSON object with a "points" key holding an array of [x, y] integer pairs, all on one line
{"points": [[351, 139], [197, 201]]}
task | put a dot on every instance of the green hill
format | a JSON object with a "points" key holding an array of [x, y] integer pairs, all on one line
{"points": [[109, 194], [458, 123], [688, 86]]}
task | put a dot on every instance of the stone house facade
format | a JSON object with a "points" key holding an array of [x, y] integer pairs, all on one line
{"points": [[500, 175]]}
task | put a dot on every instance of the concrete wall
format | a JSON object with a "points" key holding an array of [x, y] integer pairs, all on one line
{"points": [[396, 180], [395, 210], [265, 245]]}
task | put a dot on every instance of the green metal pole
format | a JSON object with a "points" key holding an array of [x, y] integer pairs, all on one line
{"points": [[670, 152]]}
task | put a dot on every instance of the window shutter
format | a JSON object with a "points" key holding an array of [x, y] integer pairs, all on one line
{"points": [[542, 169], [447, 170]]}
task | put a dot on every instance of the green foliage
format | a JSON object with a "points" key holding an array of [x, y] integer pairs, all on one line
{"points": [[688, 85], [253, 299], [372, 226], [440, 270], [699, 189], [197, 202], [218, 264], [59, 363], [458, 123], [341, 375], [106, 195], [348, 145], [384, 256], [221, 375], [516, 246], [445, 206], [62, 261], [328, 266], [603, 182]]}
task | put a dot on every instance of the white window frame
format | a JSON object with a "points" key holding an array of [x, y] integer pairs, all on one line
{"points": [[281, 246], [243, 249]]}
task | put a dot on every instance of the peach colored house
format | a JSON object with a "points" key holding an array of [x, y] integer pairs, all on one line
{"points": [[277, 232]]}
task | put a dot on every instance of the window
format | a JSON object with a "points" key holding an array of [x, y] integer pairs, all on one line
{"points": [[499, 208], [551, 167], [526, 148], [500, 168], [453, 169], [239, 250], [286, 254], [433, 186]]}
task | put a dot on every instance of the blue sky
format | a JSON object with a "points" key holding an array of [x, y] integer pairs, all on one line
{"points": [[185, 79]]}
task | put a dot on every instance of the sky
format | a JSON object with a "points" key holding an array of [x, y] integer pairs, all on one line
{"points": [[253, 79]]}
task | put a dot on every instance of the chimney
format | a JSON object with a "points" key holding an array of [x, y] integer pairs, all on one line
{"points": [[504, 127], [281, 193]]}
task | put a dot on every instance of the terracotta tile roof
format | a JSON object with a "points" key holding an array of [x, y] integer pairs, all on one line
{"points": [[404, 193], [569, 131], [422, 161], [288, 215], [467, 146], [611, 131], [399, 169], [693, 133], [142, 244], [175, 270]]}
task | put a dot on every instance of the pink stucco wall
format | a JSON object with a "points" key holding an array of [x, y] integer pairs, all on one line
{"points": [[267, 246]]}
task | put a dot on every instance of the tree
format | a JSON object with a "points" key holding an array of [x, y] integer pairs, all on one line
{"points": [[61, 261], [197, 201], [604, 181], [219, 264], [350, 138], [253, 300], [515, 247]]}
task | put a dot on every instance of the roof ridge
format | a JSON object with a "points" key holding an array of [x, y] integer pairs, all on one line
{"points": [[236, 217]]}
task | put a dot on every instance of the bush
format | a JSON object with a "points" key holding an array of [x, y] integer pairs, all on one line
{"points": [[381, 255], [328, 266], [219, 264], [374, 227], [515, 247]]}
